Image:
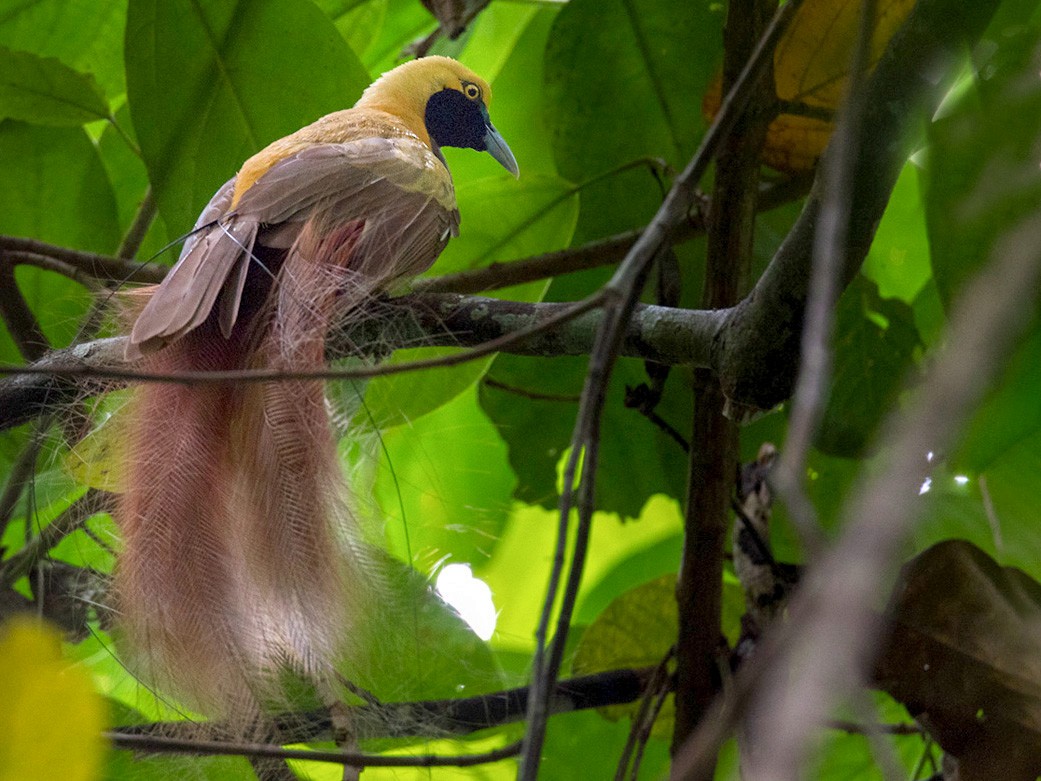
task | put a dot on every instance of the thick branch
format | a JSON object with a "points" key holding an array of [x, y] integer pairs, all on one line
{"points": [[662, 334], [438, 718], [100, 267], [757, 353]]}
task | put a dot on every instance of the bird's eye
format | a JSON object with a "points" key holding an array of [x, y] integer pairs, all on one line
{"points": [[472, 91]]}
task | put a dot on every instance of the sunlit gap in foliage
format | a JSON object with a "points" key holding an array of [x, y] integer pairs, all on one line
{"points": [[470, 597], [927, 484]]}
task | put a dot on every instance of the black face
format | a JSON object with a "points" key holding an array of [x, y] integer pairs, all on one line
{"points": [[453, 119]]}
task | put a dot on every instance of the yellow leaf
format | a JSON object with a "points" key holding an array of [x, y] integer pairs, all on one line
{"points": [[52, 718], [99, 459], [811, 66], [636, 630]]}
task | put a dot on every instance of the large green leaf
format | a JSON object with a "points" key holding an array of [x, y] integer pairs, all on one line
{"points": [[443, 486], [983, 181], [84, 34], [623, 79], [404, 22], [875, 342], [534, 406], [359, 21], [45, 91], [503, 219], [974, 197], [899, 258], [211, 83], [129, 178], [54, 188], [416, 647]]}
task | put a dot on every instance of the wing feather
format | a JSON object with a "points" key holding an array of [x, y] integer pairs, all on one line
{"points": [[396, 187]]}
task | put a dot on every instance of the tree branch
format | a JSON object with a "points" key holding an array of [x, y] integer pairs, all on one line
{"points": [[101, 267], [662, 334], [757, 352], [435, 718]]}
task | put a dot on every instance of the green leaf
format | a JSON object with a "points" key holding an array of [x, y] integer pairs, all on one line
{"points": [[416, 647], [359, 21], [405, 22], [44, 91], [85, 35], [899, 258], [974, 197], [54, 189], [875, 343], [443, 486], [129, 178], [211, 83], [632, 64], [636, 630], [502, 219], [534, 410]]}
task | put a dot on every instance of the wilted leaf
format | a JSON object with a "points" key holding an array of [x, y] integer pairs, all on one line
{"points": [[811, 67], [965, 658]]}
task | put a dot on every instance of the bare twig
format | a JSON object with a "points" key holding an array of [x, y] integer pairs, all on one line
{"points": [[91, 503], [622, 292], [159, 744], [818, 657], [829, 249], [139, 227], [661, 334], [714, 439], [20, 474], [100, 267], [437, 718], [21, 323]]}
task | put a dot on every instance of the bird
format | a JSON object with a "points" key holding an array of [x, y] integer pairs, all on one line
{"points": [[240, 560]]}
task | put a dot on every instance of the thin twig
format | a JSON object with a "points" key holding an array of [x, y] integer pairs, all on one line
{"points": [[659, 680], [138, 229], [436, 718], [91, 503], [829, 250], [19, 476], [623, 291], [817, 657], [562, 315], [101, 267], [21, 323], [154, 744]]}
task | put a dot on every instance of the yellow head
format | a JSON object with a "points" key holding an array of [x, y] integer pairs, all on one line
{"points": [[445, 103]]}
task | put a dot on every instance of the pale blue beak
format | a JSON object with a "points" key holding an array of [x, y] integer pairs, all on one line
{"points": [[497, 147]]}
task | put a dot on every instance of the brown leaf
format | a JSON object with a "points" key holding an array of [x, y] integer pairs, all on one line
{"points": [[965, 659], [811, 65]]}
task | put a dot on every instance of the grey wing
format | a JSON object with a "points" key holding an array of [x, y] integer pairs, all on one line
{"points": [[219, 248], [397, 187], [400, 191]]}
